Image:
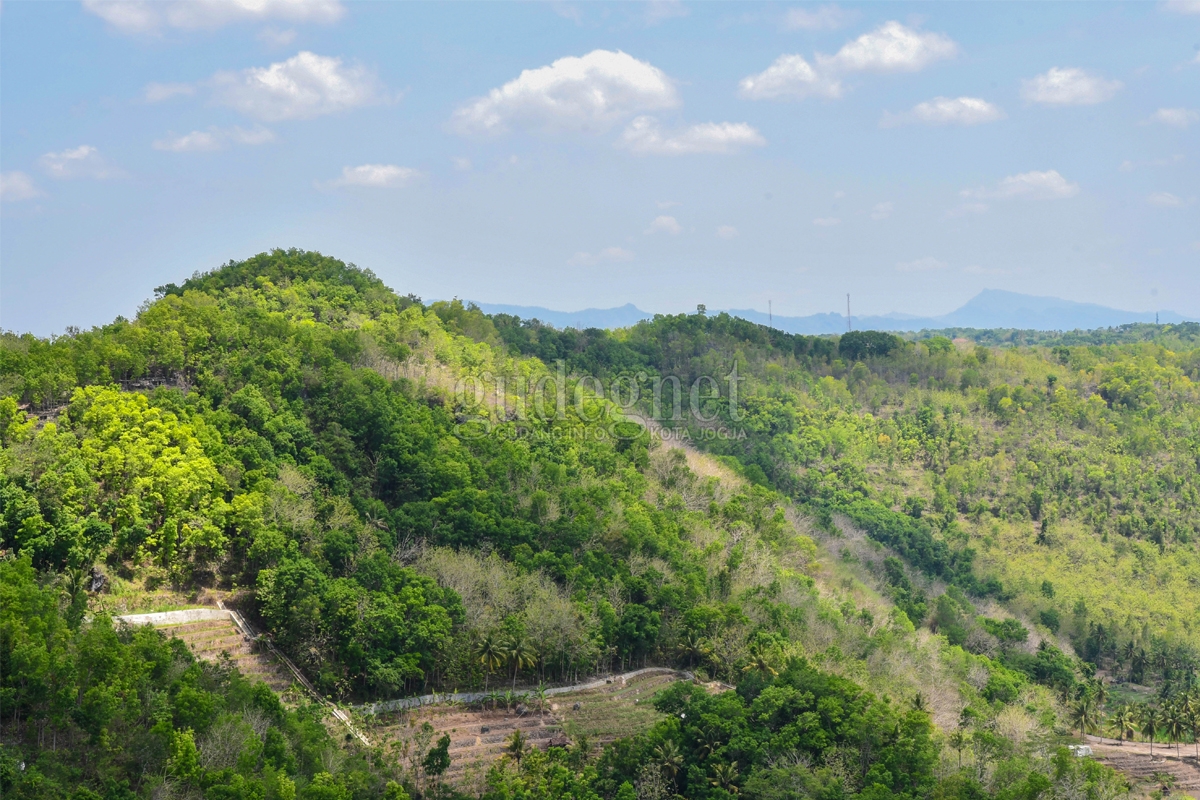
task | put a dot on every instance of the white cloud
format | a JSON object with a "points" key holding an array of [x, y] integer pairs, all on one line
{"points": [[151, 16], [1068, 87], [607, 255], [882, 210], [665, 204], [946, 111], [1166, 200], [273, 37], [16, 186], [664, 224], [891, 47], [645, 136], [461, 163], [1048, 185], [81, 162], [591, 92], [1175, 117], [305, 86], [824, 18], [377, 176], [1183, 6], [214, 139], [727, 231], [826, 222], [157, 92], [921, 265], [791, 76]]}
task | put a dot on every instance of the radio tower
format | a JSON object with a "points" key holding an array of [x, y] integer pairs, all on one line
{"points": [[848, 328]]}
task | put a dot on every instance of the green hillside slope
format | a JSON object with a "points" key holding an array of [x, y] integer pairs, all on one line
{"points": [[413, 498]]}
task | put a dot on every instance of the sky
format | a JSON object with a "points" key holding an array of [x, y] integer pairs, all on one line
{"points": [[575, 155]]}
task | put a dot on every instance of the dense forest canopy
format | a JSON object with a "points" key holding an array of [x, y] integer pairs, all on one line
{"points": [[288, 431]]}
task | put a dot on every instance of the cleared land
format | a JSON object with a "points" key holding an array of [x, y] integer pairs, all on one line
{"points": [[211, 639]]}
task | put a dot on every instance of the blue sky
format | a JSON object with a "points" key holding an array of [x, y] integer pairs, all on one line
{"points": [[583, 155]]}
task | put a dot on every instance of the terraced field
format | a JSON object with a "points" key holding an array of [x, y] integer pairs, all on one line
{"points": [[478, 737], [210, 639]]}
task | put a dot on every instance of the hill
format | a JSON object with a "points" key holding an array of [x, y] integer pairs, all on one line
{"points": [[416, 498]]}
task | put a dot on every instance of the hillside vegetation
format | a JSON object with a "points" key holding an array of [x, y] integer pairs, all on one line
{"points": [[413, 498]]}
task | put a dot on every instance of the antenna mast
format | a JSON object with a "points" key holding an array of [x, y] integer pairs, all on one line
{"points": [[848, 328]]}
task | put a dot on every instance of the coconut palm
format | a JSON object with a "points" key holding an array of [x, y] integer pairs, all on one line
{"points": [[517, 746], [1083, 714], [1123, 722], [724, 775], [710, 740], [669, 759], [520, 654], [1175, 722], [760, 661], [490, 653], [694, 647], [1151, 718]]}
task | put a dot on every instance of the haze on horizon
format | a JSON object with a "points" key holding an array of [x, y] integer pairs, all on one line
{"points": [[588, 155]]}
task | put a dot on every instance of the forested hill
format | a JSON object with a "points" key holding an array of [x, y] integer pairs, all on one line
{"points": [[413, 498]]}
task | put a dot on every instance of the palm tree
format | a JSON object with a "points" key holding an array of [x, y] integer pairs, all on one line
{"points": [[760, 661], [1137, 666], [1082, 714], [694, 647], [724, 775], [669, 759], [1176, 723], [1151, 719], [1191, 705], [519, 652], [710, 740], [516, 746], [1123, 722], [490, 654]]}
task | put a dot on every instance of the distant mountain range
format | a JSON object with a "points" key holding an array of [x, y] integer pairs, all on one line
{"points": [[991, 308]]}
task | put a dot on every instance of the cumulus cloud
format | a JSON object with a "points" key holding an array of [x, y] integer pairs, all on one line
{"points": [[376, 176], [892, 47], [791, 76], [664, 224], [946, 111], [1183, 6], [81, 162], [727, 231], [645, 136], [824, 18], [921, 265], [591, 92], [1069, 86], [607, 255], [1166, 200], [1175, 117], [826, 222], [662, 10], [158, 92], [305, 86], [1048, 185], [214, 139], [461, 163], [16, 186], [882, 210], [152, 16]]}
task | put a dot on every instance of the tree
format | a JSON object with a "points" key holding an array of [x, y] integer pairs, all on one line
{"points": [[520, 654], [724, 776], [1082, 713], [1123, 722], [516, 747], [1151, 718], [1175, 722], [437, 760], [669, 759], [490, 653]]}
